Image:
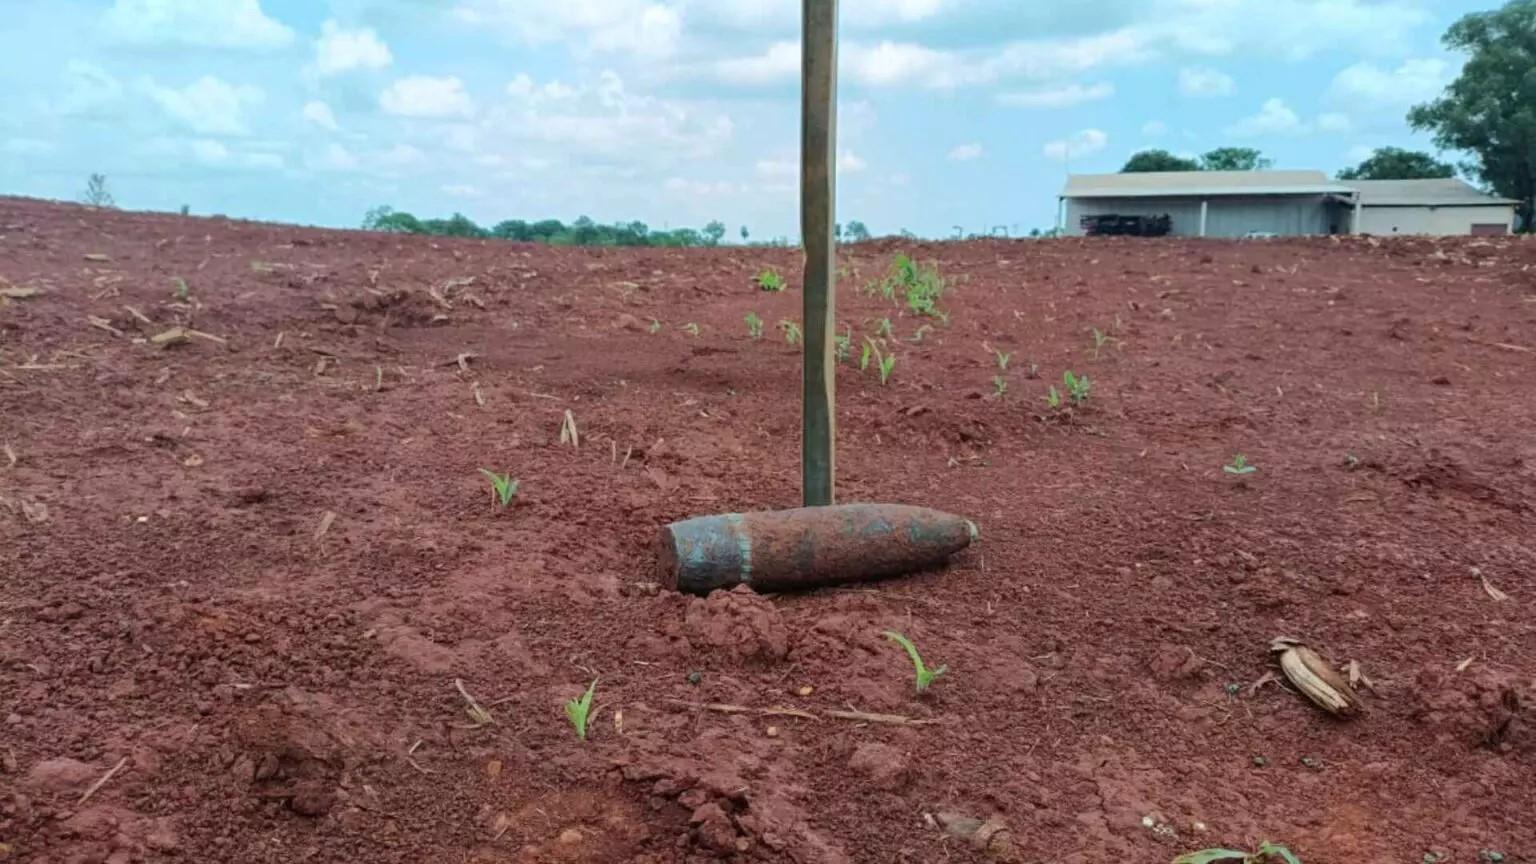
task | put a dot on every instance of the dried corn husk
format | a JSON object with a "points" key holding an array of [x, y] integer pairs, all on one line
{"points": [[1315, 678]]}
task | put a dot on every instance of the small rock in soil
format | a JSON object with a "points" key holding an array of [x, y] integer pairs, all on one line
{"points": [[884, 766], [714, 828], [312, 798], [61, 775]]}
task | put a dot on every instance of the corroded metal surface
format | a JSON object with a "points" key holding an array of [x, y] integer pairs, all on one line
{"points": [[777, 550]]}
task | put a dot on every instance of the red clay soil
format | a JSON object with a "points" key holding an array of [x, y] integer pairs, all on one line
{"points": [[240, 574]]}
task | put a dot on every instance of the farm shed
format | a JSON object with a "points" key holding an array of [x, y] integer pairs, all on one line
{"points": [[1214, 203], [1444, 206], [1237, 203]]}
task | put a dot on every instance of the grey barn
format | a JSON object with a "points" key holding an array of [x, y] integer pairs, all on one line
{"points": [[1284, 203]]}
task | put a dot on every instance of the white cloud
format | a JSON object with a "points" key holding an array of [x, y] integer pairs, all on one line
{"points": [[333, 157], [1083, 143], [1334, 122], [320, 114], [425, 96], [640, 27], [338, 50], [603, 119], [208, 106], [26, 147], [778, 168], [1202, 81], [463, 190], [1274, 118], [965, 152], [209, 151], [1062, 96], [781, 62], [1366, 84], [199, 23], [890, 63], [849, 162], [1154, 129], [1360, 153], [88, 90]]}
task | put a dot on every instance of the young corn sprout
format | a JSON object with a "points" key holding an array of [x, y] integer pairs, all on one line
{"points": [[1077, 386], [1239, 466], [503, 487], [869, 349], [883, 329], [769, 279], [754, 325], [842, 346], [691, 329], [655, 327], [887, 363], [1266, 853], [578, 709], [791, 331], [1002, 359], [924, 675], [1098, 342], [179, 288], [1053, 398], [999, 385]]}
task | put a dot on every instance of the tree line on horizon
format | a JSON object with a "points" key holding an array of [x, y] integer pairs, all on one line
{"points": [[582, 232], [1384, 163]]}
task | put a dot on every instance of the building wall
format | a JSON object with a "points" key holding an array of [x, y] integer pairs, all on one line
{"points": [[1228, 216], [1432, 220]]}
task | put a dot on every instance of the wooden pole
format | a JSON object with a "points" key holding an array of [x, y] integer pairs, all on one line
{"points": [[818, 187]]}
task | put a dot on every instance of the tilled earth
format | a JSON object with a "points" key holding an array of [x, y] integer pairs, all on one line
{"points": [[242, 572]]}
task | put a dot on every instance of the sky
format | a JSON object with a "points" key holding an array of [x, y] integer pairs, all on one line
{"points": [[953, 114]]}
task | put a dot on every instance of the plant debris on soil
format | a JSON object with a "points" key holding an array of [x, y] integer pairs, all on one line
{"points": [[254, 605]]}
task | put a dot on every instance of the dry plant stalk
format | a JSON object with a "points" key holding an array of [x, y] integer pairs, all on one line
{"points": [[1316, 680], [568, 433]]}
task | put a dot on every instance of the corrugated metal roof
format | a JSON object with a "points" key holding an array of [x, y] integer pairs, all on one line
{"points": [[1442, 192], [1175, 184]]}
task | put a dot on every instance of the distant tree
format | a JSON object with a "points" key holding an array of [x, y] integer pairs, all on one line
{"points": [[512, 229], [96, 192], [383, 218], [185, 209], [1395, 163], [713, 232], [855, 232], [1158, 160], [1488, 109], [458, 225], [744, 234], [1234, 159], [544, 229]]}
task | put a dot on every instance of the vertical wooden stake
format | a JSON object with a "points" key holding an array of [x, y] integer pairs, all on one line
{"points": [[818, 195]]}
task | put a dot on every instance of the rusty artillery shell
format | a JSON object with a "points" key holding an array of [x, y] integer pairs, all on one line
{"points": [[775, 550]]}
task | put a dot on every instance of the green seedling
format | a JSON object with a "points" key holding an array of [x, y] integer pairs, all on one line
{"points": [[887, 363], [578, 709], [1266, 852], [925, 675], [883, 329], [869, 348], [791, 331], [769, 280], [503, 487], [179, 288], [1099, 339], [1078, 386], [754, 325], [842, 345], [655, 327], [1351, 461], [1002, 359], [691, 329], [1053, 398], [1239, 466], [999, 385]]}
